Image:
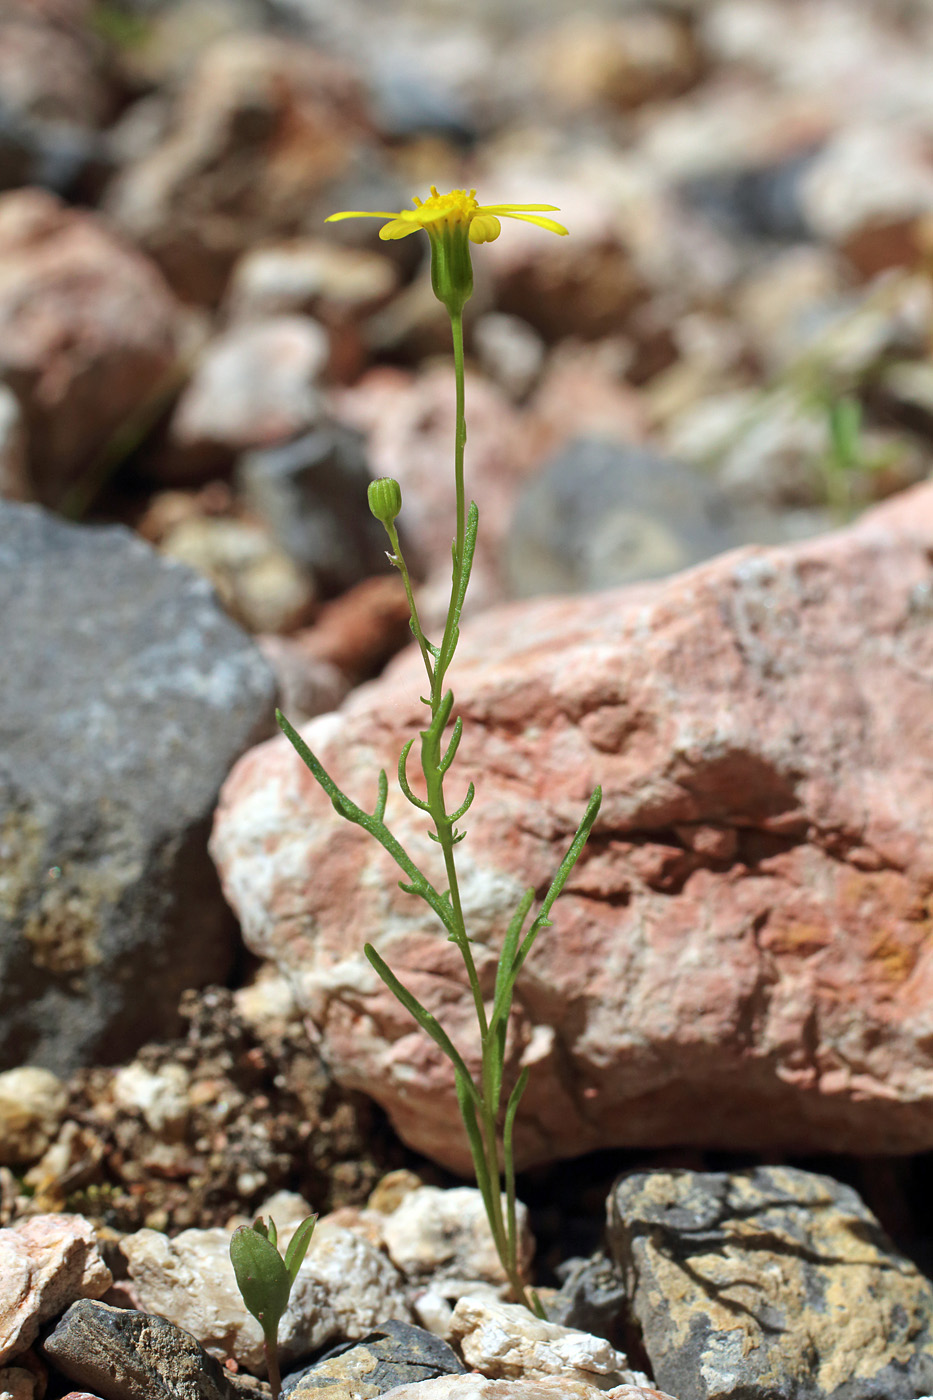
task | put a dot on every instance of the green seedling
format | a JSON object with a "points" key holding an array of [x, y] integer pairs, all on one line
{"points": [[265, 1280], [849, 457], [453, 222]]}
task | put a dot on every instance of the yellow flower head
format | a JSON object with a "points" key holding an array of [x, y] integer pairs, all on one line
{"points": [[455, 210], [452, 221]]}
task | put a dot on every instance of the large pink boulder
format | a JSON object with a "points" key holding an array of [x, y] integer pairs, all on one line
{"points": [[743, 957]]}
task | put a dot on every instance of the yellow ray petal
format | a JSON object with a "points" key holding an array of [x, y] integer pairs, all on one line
{"points": [[549, 224], [361, 214], [484, 228], [399, 228], [508, 208]]}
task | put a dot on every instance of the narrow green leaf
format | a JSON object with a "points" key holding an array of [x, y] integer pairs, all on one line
{"points": [[428, 1023], [383, 796], [298, 1246], [845, 425], [442, 715], [347, 808], [560, 879], [452, 633], [403, 779], [509, 1160], [468, 1101], [452, 747], [261, 1277], [505, 978], [498, 1041], [464, 807]]}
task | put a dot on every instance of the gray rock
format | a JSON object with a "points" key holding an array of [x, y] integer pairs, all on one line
{"points": [[592, 1297], [126, 696], [57, 156], [601, 514], [396, 1353], [756, 202], [312, 495], [767, 1284], [127, 1355]]}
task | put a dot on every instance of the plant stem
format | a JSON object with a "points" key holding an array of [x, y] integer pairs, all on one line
{"points": [[272, 1367], [399, 560], [456, 328], [488, 1168], [449, 641], [431, 737]]}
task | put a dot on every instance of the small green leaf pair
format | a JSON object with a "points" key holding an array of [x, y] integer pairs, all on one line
{"points": [[265, 1279]]}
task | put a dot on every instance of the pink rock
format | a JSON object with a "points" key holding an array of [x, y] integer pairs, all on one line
{"points": [[87, 332], [743, 958], [46, 1263]]}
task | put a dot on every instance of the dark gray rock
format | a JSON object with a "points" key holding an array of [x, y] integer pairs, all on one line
{"points": [[770, 1284], [312, 495], [126, 695], [396, 1354], [760, 201], [125, 1355], [57, 156], [592, 1298], [602, 513]]}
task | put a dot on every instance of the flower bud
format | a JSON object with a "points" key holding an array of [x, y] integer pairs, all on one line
{"points": [[385, 499]]}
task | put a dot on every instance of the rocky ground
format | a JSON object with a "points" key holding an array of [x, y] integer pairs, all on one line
{"points": [[732, 1016]]}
